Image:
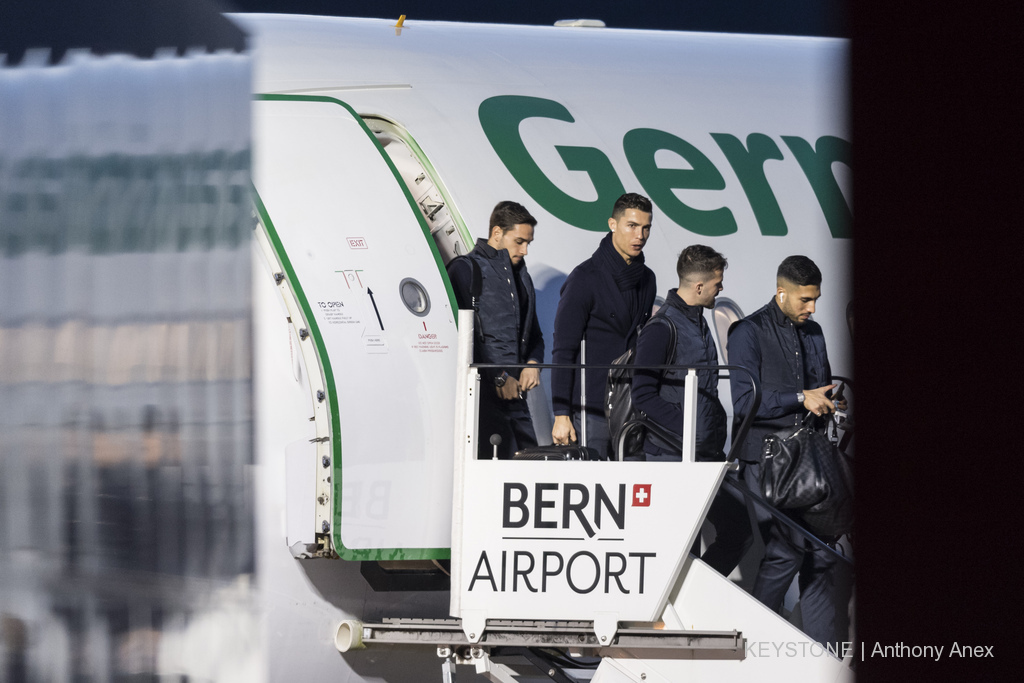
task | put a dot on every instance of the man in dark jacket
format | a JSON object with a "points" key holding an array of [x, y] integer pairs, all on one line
{"points": [[786, 350], [506, 328], [605, 301], [660, 395]]}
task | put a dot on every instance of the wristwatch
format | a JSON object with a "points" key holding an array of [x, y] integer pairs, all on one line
{"points": [[500, 380], [799, 396]]}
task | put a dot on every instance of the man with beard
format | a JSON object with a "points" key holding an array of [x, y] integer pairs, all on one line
{"points": [[506, 329], [660, 394], [786, 350]]}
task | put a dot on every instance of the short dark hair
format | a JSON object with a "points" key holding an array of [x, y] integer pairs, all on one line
{"points": [[799, 270], [631, 200], [698, 259], [507, 215]]}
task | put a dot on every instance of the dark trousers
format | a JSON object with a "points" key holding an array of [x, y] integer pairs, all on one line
{"points": [[733, 535], [787, 553], [510, 420], [597, 433]]}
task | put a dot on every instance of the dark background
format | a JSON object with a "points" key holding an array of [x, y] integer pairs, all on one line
{"points": [[937, 150]]}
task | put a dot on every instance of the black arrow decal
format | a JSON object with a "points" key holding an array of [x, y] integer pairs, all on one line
{"points": [[374, 302]]}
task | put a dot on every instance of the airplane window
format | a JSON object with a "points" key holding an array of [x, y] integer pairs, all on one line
{"points": [[414, 296]]}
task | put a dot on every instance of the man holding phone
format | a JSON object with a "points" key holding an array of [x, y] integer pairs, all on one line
{"points": [[786, 350]]}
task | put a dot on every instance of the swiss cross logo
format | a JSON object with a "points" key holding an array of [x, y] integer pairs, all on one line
{"points": [[641, 495]]}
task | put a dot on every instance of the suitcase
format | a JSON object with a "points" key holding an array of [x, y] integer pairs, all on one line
{"points": [[553, 452]]}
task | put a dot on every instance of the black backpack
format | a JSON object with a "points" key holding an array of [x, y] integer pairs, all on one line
{"points": [[618, 404]]}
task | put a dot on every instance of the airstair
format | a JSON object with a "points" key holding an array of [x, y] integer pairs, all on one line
{"points": [[580, 570]]}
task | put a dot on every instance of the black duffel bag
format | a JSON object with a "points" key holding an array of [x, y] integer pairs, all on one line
{"points": [[804, 472]]}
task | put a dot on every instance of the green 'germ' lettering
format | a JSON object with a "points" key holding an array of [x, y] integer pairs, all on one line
{"points": [[640, 146]]}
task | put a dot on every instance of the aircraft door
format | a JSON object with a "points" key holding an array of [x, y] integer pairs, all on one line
{"points": [[376, 307]]}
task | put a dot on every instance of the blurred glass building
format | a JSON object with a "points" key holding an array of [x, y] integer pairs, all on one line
{"points": [[126, 455]]}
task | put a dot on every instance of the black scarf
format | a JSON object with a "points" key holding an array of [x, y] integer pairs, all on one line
{"points": [[626, 275]]}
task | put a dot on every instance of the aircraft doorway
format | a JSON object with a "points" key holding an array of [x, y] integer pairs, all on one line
{"points": [[445, 222]]}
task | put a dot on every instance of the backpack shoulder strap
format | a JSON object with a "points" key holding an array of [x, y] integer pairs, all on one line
{"points": [[477, 286], [670, 357], [476, 278]]}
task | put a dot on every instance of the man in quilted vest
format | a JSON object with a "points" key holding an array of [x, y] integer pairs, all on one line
{"points": [[506, 329], [701, 272]]}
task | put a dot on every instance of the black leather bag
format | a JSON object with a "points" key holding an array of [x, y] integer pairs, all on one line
{"points": [[618, 398], [802, 471], [618, 408], [833, 516]]}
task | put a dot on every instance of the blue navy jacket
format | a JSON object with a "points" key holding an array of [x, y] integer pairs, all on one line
{"points": [[591, 306], [660, 394], [787, 359], [507, 330]]}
